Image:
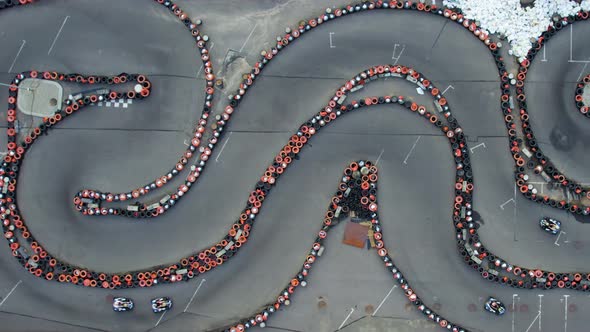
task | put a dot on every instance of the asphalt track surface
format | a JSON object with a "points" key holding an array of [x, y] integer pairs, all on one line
{"points": [[118, 151]]}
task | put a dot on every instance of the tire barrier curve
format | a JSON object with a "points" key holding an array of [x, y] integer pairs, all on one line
{"points": [[579, 98], [490, 267], [167, 201], [356, 193], [530, 153], [89, 201]]}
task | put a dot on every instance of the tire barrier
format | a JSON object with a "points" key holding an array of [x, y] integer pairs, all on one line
{"points": [[11, 3], [579, 98], [356, 193], [531, 153], [493, 268], [97, 198], [89, 202]]}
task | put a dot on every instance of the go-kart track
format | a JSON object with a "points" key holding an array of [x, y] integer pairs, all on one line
{"points": [[453, 200]]}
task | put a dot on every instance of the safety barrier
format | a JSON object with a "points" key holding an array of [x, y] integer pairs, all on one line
{"points": [[579, 98], [356, 193], [537, 160], [148, 210]]}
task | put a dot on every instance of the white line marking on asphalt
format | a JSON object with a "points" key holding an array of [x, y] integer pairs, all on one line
{"points": [[379, 158], [331, 45], [477, 146], [393, 57], [544, 55], [558, 236], [223, 147], [565, 314], [385, 298], [571, 43], [448, 87], [533, 322], [412, 149], [17, 54], [58, 33], [210, 49], [540, 309], [247, 39], [345, 319], [514, 296], [508, 201], [194, 294], [185, 143], [10, 86], [582, 72], [158, 322], [571, 59], [12, 290], [514, 213]]}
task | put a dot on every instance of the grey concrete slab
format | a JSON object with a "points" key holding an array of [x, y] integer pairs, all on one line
{"points": [[39, 97]]}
